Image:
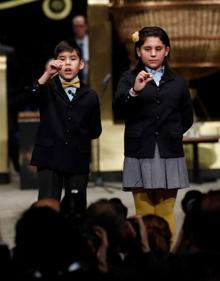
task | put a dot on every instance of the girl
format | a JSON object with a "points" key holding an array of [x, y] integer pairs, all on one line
{"points": [[158, 111]]}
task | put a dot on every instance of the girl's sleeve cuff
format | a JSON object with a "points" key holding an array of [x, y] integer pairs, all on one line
{"points": [[132, 93]]}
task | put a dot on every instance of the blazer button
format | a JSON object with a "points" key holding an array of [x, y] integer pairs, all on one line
{"points": [[66, 142], [157, 133], [69, 118]]}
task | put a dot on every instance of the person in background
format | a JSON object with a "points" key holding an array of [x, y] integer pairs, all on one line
{"points": [[80, 34], [69, 120], [157, 112]]}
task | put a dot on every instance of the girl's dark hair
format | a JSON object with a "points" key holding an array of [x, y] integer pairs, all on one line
{"points": [[67, 45], [153, 31]]}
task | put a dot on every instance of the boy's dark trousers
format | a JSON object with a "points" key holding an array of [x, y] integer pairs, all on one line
{"points": [[51, 183]]}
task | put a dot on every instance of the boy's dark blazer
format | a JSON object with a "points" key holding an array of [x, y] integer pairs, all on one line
{"points": [[63, 139], [159, 114]]}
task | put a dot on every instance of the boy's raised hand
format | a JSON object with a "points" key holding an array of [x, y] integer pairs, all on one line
{"points": [[141, 80], [52, 69]]}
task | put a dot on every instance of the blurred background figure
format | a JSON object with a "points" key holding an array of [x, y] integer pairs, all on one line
{"points": [[80, 33]]}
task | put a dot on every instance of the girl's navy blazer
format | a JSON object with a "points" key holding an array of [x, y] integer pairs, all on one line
{"points": [[159, 114]]}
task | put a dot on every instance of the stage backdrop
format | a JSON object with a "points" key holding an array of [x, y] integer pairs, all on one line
{"points": [[33, 28]]}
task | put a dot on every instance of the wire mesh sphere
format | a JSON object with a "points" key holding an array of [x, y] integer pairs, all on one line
{"points": [[193, 28]]}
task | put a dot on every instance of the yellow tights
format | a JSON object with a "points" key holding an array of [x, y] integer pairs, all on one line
{"points": [[156, 201]]}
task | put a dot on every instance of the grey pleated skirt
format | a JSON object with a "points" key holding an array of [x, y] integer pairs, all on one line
{"points": [[155, 173]]}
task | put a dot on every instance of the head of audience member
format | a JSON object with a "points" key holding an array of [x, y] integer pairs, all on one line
{"points": [[159, 234], [43, 242], [48, 202], [5, 261], [201, 225], [104, 213], [79, 26], [191, 200], [120, 207], [211, 201]]}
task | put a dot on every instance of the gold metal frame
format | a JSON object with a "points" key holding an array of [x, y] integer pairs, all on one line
{"points": [[128, 4], [4, 164]]}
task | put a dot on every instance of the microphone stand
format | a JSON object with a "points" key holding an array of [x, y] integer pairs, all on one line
{"points": [[99, 180]]}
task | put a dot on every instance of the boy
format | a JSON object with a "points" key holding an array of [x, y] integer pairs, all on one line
{"points": [[69, 119]]}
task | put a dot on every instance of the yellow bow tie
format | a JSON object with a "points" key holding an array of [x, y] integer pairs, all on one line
{"points": [[74, 83]]}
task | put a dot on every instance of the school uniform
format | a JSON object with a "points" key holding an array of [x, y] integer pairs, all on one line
{"points": [[63, 140], [155, 121]]}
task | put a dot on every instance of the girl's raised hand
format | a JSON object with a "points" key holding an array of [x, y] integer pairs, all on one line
{"points": [[141, 80]]}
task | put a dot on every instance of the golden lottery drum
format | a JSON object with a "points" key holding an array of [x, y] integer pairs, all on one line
{"points": [[193, 28]]}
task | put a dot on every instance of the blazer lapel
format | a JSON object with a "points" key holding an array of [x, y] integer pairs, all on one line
{"points": [[59, 89], [80, 92]]}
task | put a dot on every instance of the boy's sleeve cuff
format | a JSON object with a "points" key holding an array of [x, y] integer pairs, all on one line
{"points": [[35, 86]]}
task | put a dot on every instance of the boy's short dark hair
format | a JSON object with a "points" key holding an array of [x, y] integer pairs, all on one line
{"points": [[67, 45]]}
